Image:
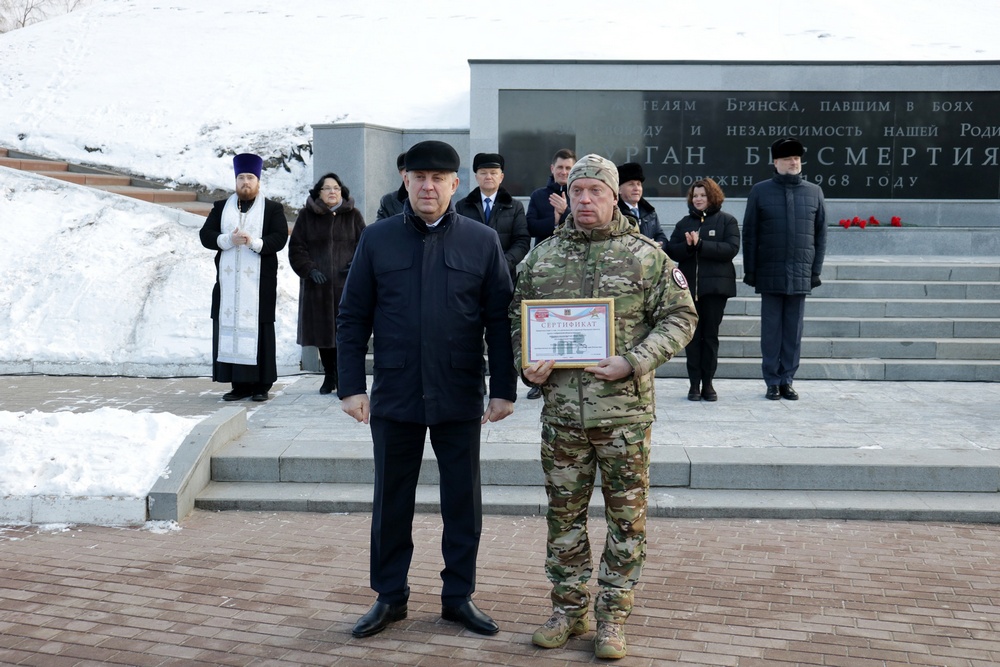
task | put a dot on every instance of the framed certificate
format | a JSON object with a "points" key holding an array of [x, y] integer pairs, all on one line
{"points": [[572, 332]]}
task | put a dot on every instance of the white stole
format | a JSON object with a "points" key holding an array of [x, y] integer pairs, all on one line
{"points": [[239, 285]]}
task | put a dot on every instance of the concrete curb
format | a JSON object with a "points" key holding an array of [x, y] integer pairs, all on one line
{"points": [[172, 498]]}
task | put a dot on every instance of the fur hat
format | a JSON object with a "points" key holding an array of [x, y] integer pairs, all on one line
{"points": [[630, 171], [431, 156], [786, 147], [248, 163], [488, 160], [401, 161], [595, 166]]}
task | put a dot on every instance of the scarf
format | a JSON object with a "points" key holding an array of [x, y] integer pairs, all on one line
{"points": [[239, 285]]}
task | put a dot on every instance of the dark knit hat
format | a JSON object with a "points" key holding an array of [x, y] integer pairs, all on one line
{"points": [[630, 171], [786, 147], [401, 161], [248, 163], [489, 160], [431, 156]]}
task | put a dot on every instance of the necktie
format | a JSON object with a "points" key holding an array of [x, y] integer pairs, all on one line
{"points": [[487, 208], [635, 212]]}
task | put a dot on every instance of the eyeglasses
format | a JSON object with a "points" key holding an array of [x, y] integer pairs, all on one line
{"points": [[333, 189]]}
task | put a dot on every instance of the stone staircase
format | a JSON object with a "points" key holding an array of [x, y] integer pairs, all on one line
{"points": [[107, 181], [898, 319]]}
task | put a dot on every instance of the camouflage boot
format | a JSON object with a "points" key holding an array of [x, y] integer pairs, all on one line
{"points": [[558, 629], [609, 642]]}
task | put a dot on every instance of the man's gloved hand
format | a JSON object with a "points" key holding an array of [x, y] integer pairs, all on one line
{"points": [[750, 279], [815, 282], [317, 276]]}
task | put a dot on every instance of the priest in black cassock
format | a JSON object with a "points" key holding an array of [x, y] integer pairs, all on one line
{"points": [[247, 231]]}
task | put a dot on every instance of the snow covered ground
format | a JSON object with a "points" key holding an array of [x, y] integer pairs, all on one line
{"points": [[172, 90]]}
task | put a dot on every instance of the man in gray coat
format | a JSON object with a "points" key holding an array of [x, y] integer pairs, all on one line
{"points": [[784, 242]]}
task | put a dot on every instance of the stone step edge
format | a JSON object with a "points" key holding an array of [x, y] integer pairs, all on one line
{"points": [[673, 503]]}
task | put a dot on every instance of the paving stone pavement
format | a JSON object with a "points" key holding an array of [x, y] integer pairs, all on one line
{"points": [[258, 589]]}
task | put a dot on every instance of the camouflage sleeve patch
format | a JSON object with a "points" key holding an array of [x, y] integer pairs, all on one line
{"points": [[679, 278]]}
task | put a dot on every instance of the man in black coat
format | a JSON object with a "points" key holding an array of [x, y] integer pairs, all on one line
{"points": [[549, 206], [391, 203], [246, 231], [493, 205], [784, 243], [427, 284], [632, 203]]}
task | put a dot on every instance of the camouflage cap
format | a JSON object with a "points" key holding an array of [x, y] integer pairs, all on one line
{"points": [[595, 166]]}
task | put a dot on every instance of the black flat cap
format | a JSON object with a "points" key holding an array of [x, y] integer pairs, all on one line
{"points": [[786, 147], [630, 171], [488, 160], [431, 156]]}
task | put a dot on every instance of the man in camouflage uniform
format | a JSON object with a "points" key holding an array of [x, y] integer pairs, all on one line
{"points": [[601, 415]]}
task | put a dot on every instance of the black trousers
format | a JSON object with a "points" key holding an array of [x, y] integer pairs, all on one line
{"points": [[781, 321], [703, 350], [399, 447]]}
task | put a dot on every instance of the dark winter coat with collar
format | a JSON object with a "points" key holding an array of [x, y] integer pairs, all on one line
{"points": [[649, 221], [507, 218], [323, 240], [784, 235], [427, 295], [540, 214], [391, 203], [707, 266]]}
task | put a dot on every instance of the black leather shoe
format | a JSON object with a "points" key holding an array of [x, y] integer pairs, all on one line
{"points": [[694, 395], [773, 393], [788, 393], [378, 619], [468, 614], [235, 395], [535, 392], [709, 394], [260, 396]]}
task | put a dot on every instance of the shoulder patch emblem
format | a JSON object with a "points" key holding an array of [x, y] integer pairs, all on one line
{"points": [[679, 278]]}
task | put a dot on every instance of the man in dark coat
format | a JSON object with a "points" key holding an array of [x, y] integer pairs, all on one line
{"points": [[632, 203], [392, 202], [506, 214], [784, 243], [549, 206], [246, 231], [428, 284]]}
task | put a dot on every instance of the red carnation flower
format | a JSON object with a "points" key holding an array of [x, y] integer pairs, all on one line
{"points": [[862, 224], [856, 221], [896, 221], [873, 221], [845, 223]]}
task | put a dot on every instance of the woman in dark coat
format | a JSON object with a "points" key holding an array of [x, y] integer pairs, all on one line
{"points": [[323, 240], [703, 244]]}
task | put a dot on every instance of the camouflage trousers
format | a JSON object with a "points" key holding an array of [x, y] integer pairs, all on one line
{"points": [[570, 459]]}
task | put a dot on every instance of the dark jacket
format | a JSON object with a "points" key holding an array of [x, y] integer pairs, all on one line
{"points": [[275, 236], [426, 295], [649, 222], [323, 240], [540, 215], [707, 266], [784, 236], [391, 203], [507, 218]]}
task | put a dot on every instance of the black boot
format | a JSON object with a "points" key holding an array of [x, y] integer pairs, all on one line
{"points": [[329, 358], [708, 392], [694, 393]]}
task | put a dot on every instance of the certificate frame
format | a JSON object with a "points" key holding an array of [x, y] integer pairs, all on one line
{"points": [[575, 333]]}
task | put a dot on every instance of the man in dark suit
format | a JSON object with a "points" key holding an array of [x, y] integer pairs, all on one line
{"points": [[427, 283], [246, 231], [492, 204]]}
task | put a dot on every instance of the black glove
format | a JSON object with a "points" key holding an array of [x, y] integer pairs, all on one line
{"points": [[815, 282], [317, 276], [750, 279]]}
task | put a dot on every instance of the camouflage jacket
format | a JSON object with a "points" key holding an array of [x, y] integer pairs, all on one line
{"points": [[654, 317]]}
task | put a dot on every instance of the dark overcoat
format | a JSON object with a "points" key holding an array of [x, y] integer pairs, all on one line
{"points": [[323, 240], [708, 266], [784, 235], [274, 235], [507, 218], [427, 295], [649, 221]]}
